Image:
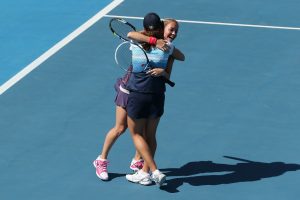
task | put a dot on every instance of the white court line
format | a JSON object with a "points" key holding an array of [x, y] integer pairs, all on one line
{"points": [[58, 46], [217, 23]]}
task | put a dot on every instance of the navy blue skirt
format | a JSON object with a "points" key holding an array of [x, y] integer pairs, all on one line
{"points": [[145, 105]]}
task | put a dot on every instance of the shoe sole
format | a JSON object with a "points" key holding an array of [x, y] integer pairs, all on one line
{"points": [[141, 182], [145, 184]]}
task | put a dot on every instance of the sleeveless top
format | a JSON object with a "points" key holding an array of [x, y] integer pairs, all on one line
{"points": [[139, 81]]}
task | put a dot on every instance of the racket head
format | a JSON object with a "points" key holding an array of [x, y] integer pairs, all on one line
{"points": [[132, 58], [121, 28]]}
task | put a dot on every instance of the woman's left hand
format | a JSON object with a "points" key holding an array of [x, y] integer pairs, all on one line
{"points": [[156, 72]]}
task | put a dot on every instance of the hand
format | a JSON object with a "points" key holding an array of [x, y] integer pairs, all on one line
{"points": [[162, 45], [156, 72]]}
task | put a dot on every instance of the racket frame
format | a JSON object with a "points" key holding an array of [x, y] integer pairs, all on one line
{"points": [[123, 22]]}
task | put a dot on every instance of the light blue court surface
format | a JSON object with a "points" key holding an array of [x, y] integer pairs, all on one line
{"points": [[231, 123], [31, 27]]}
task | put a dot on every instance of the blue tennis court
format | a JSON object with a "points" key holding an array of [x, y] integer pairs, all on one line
{"points": [[231, 123]]}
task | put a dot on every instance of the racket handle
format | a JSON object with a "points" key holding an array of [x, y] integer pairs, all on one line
{"points": [[171, 83]]}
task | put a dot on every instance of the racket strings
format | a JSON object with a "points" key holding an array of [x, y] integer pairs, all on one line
{"points": [[121, 29], [128, 54], [123, 57]]}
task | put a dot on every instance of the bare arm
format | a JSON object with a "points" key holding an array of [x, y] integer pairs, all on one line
{"points": [[178, 55], [139, 37], [169, 66]]}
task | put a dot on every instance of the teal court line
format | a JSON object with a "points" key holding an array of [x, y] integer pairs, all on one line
{"points": [[26, 70]]}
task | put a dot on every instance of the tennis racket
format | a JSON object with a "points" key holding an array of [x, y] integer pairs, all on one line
{"points": [[121, 28], [123, 53]]}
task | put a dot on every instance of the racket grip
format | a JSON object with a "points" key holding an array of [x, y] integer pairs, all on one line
{"points": [[169, 82]]}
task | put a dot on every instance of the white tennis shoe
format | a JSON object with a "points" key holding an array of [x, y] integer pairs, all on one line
{"points": [[158, 177], [140, 177]]}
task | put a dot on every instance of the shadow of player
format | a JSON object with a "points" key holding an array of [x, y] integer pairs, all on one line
{"points": [[241, 172]]}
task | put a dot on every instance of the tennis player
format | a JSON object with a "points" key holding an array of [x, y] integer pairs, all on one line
{"points": [[146, 103]]}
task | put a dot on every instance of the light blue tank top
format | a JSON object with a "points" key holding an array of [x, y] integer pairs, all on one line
{"points": [[157, 58]]}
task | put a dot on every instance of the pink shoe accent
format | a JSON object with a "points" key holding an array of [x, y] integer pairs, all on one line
{"points": [[101, 169], [137, 164]]}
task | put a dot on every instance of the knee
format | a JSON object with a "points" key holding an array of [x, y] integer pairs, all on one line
{"points": [[151, 139], [120, 129]]}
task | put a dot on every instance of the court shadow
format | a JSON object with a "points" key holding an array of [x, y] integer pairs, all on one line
{"points": [[115, 175], [241, 172]]}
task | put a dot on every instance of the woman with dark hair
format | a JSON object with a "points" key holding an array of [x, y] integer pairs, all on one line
{"points": [[145, 103]]}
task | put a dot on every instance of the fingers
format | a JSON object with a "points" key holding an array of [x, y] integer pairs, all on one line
{"points": [[166, 48], [155, 72], [152, 72], [163, 45]]}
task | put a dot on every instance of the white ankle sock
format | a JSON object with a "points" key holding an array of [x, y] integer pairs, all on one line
{"points": [[156, 172], [143, 173], [99, 158]]}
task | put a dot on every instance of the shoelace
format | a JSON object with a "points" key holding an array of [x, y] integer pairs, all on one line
{"points": [[102, 165]]}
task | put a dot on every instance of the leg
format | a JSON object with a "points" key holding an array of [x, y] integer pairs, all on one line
{"points": [[136, 127], [144, 142], [150, 136], [137, 156], [137, 162], [151, 128], [101, 162], [115, 132]]}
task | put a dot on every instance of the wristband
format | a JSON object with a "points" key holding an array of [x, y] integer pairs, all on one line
{"points": [[152, 41]]}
